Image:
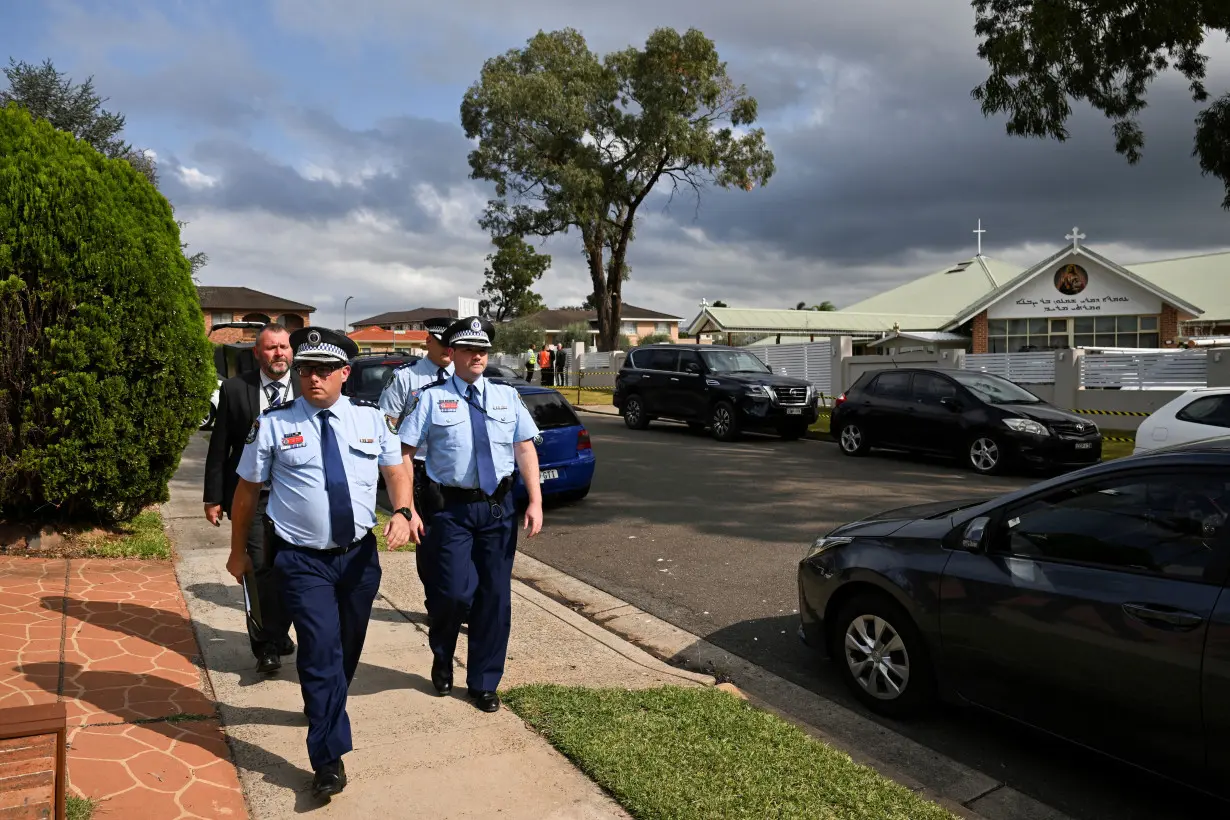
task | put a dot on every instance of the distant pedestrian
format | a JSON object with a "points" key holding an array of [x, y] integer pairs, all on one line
{"points": [[544, 365], [476, 432], [321, 455], [561, 369], [530, 358]]}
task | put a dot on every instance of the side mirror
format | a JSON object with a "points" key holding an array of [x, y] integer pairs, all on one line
{"points": [[975, 536]]}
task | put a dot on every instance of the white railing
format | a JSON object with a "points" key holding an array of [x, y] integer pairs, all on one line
{"points": [[596, 361], [1023, 368], [1145, 371], [813, 362]]}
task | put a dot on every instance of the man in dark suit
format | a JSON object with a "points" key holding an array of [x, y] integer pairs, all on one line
{"points": [[241, 400]]}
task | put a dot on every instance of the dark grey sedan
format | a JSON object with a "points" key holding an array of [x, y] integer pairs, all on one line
{"points": [[1092, 606]]}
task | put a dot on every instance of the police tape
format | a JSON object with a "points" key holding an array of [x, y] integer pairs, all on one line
{"points": [[1111, 413]]}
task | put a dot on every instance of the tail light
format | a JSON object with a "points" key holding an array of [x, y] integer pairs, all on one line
{"points": [[583, 440], [840, 400]]}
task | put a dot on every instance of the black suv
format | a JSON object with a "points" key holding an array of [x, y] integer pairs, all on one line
{"points": [[370, 373], [988, 422], [726, 389]]}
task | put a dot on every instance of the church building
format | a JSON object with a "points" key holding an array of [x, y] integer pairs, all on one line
{"points": [[1074, 298]]}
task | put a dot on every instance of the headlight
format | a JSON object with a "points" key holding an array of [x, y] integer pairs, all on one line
{"points": [[760, 390], [826, 543], [1029, 426]]}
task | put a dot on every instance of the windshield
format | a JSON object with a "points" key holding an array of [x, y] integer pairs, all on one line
{"points": [[993, 389], [733, 361]]}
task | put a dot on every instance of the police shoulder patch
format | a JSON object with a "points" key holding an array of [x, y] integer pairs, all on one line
{"points": [[256, 426], [389, 423]]}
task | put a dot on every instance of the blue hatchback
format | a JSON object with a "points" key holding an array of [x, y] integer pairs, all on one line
{"points": [[565, 457]]}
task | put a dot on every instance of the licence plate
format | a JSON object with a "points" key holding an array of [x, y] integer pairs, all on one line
{"points": [[794, 411], [1084, 445], [547, 475]]}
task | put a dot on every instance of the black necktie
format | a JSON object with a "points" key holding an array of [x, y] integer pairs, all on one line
{"points": [[341, 513], [440, 374], [274, 391]]}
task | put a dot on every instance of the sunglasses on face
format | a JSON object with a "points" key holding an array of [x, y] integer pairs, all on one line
{"points": [[324, 371]]}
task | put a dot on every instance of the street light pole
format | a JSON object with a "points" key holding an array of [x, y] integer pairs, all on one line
{"points": [[345, 324]]}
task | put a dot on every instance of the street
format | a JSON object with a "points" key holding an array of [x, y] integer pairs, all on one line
{"points": [[708, 537]]}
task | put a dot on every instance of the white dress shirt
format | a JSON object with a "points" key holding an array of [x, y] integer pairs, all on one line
{"points": [[283, 384]]}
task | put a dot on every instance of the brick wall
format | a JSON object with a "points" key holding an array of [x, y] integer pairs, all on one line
{"points": [[980, 333], [231, 335], [1168, 324]]}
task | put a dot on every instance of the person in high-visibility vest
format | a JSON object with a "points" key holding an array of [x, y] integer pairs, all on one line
{"points": [[530, 358]]}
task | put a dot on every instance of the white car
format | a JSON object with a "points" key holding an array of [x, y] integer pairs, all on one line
{"points": [[1197, 414]]}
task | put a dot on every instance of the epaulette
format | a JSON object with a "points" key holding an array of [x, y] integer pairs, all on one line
{"points": [[434, 384], [364, 403], [280, 407], [404, 365]]}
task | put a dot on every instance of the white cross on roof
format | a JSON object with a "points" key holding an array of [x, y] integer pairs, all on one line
{"points": [[1076, 236]]}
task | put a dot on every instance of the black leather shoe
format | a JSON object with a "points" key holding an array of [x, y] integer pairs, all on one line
{"points": [[287, 648], [486, 701], [330, 779], [268, 663], [442, 676]]}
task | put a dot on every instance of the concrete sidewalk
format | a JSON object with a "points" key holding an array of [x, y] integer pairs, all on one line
{"points": [[416, 754]]}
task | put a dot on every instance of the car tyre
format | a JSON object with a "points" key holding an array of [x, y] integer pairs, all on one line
{"points": [[881, 656], [635, 416], [724, 421], [853, 440], [985, 454]]}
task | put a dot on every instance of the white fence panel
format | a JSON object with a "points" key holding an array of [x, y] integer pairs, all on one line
{"points": [[813, 362], [596, 361], [1145, 371], [1022, 368]]}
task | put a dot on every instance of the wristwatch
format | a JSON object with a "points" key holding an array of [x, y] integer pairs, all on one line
{"points": [[404, 512]]}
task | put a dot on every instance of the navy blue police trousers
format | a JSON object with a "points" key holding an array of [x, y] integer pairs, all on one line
{"points": [[329, 597], [471, 551]]}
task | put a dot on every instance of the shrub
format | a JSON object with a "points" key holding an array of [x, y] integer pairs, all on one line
{"points": [[105, 370], [655, 339], [518, 335], [575, 332]]}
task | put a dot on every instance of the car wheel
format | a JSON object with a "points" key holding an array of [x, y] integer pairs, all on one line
{"points": [[209, 419], [985, 455], [853, 440], [634, 413], [724, 422], [881, 656]]}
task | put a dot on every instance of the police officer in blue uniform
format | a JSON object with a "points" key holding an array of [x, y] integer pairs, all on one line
{"points": [[407, 383], [322, 454], [476, 433]]}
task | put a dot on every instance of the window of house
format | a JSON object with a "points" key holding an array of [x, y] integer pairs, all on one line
{"points": [[662, 327], [1115, 331], [1018, 335], [627, 328], [1166, 524], [217, 318]]}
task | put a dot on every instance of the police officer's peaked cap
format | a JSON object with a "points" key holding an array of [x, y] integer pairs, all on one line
{"points": [[472, 331], [319, 345], [438, 325]]}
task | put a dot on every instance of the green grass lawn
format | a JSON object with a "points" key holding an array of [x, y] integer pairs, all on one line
{"points": [[696, 753], [142, 537], [587, 397], [382, 518]]}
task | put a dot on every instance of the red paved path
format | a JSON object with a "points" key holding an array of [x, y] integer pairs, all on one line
{"points": [[113, 640]]}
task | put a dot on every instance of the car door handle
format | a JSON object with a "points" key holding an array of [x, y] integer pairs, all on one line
{"points": [[1156, 615], [674, 378], [644, 375]]}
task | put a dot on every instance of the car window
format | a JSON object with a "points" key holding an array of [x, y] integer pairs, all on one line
{"points": [[550, 410], [658, 359], [372, 379], [733, 361], [688, 357], [992, 389], [930, 388], [1210, 410], [1170, 524], [891, 385]]}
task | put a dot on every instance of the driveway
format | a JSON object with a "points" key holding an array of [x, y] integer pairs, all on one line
{"points": [[708, 536]]}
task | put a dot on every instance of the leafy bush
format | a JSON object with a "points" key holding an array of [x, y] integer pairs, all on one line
{"points": [[655, 339], [575, 332], [518, 336], [105, 370]]}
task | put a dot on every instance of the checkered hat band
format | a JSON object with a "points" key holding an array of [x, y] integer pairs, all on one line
{"points": [[321, 350], [464, 336]]}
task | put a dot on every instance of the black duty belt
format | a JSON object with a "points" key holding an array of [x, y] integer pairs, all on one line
{"points": [[465, 495], [282, 543]]}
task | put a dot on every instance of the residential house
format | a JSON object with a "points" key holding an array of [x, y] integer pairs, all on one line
{"points": [[233, 304], [404, 319], [379, 340], [635, 323]]}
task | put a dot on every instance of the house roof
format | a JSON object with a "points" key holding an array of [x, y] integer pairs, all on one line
{"points": [[946, 291], [376, 334], [925, 336], [219, 297], [805, 322], [1203, 279], [562, 317], [402, 317], [985, 301]]}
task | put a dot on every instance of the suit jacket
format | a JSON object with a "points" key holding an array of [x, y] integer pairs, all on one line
{"points": [[239, 403]]}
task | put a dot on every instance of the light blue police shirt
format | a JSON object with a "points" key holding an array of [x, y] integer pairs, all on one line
{"points": [[440, 420], [284, 447], [408, 381]]}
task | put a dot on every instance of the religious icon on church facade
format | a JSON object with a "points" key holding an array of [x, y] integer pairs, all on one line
{"points": [[1071, 279]]}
